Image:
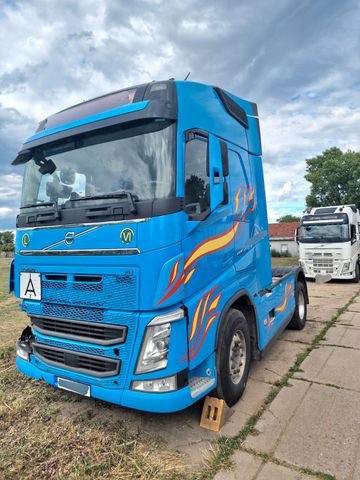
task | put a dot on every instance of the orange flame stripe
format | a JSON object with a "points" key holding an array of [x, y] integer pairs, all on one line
{"points": [[196, 318], [189, 275], [203, 312], [251, 194], [214, 303], [174, 271], [244, 194], [210, 322], [213, 245], [237, 200], [282, 307], [193, 355], [173, 289]]}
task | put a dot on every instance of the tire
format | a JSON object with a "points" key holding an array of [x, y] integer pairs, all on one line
{"points": [[357, 274], [298, 320], [233, 340]]}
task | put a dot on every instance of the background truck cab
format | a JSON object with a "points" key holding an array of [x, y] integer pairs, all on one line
{"points": [[329, 242]]}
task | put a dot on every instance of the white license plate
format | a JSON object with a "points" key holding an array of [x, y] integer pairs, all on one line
{"points": [[30, 285], [71, 386]]}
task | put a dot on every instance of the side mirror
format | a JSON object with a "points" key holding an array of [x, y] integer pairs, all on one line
{"points": [[296, 237], [47, 166]]}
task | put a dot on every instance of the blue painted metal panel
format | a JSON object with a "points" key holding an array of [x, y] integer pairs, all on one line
{"points": [[114, 112], [199, 265]]}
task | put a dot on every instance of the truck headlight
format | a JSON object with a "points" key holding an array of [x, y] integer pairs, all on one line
{"points": [[21, 352], [155, 348], [166, 384], [346, 267]]}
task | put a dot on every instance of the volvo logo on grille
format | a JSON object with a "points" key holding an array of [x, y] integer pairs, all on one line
{"points": [[69, 238]]}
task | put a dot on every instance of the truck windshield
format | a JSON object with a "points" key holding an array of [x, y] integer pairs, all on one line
{"points": [[325, 232], [138, 160]]}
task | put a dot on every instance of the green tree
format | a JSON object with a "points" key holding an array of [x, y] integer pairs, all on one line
{"points": [[288, 218], [335, 178], [7, 241]]}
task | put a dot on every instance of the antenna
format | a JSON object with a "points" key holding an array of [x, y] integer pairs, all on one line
{"points": [[187, 76]]}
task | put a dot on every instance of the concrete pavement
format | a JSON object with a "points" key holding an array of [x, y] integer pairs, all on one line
{"points": [[312, 427]]}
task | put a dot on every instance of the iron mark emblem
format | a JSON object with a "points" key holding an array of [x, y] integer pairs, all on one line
{"points": [[127, 235], [25, 240], [69, 238]]}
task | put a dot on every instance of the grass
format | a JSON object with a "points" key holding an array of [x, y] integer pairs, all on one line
{"points": [[47, 433], [284, 261]]}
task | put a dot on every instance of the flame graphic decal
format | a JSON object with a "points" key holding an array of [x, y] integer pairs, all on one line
{"points": [[288, 293], [212, 244], [204, 316]]}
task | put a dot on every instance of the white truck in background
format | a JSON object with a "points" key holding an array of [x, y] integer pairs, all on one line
{"points": [[329, 242]]}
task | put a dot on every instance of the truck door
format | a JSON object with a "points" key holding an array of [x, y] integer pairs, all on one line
{"points": [[209, 243], [206, 253]]}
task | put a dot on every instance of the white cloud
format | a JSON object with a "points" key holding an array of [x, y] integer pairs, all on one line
{"points": [[4, 211], [300, 64]]}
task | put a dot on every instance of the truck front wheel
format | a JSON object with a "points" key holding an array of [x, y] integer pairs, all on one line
{"points": [[299, 318], [233, 357], [357, 273]]}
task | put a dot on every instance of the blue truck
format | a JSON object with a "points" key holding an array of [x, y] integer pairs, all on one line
{"points": [[142, 249]]}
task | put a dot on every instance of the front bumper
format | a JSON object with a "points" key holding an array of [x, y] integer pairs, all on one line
{"points": [[149, 402]]}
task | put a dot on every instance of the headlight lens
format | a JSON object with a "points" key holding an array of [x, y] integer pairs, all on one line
{"points": [[346, 267], [155, 348], [21, 353], [166, 384]]}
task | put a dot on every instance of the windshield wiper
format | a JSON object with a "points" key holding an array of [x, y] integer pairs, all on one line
{"points": [[121, 194], [43, 215], [40, 204]]}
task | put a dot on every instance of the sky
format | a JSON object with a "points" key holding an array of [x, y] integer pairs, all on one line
{"points": [[298, 60]]}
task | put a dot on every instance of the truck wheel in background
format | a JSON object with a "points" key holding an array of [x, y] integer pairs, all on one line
{"points": [[357, 274], [233, 357], [299, 318]]}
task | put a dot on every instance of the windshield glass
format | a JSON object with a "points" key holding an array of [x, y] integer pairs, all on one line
{"points": [[138, 159], [324, 233]]}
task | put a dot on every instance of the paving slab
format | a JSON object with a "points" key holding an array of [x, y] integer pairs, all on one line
{"points": [[324, 432], [335, 301], [312, 426], [273, 422], [354, 307], [332, 365], [251, 401], [277, 361], [306, 335], [350, 318], [323, 314], [245, 467], [343, 336], [325, 290], [270, 471]]}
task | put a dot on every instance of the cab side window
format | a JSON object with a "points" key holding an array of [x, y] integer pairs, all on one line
{"points": [[197, 181]]}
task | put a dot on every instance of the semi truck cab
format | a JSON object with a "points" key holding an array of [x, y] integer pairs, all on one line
{"points": [[329, 242], [142, 249]]}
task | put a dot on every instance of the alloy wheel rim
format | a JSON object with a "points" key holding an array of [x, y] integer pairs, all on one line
{"points": [[301, 305], [237, 357]]}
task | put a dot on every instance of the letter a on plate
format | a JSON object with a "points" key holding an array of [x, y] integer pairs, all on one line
{"points": [[30, 285]]}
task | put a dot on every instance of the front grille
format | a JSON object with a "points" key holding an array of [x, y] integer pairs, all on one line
{"points": [[99, 333], [86, 364], [69, 311], [118, 291], [321, 264]]}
